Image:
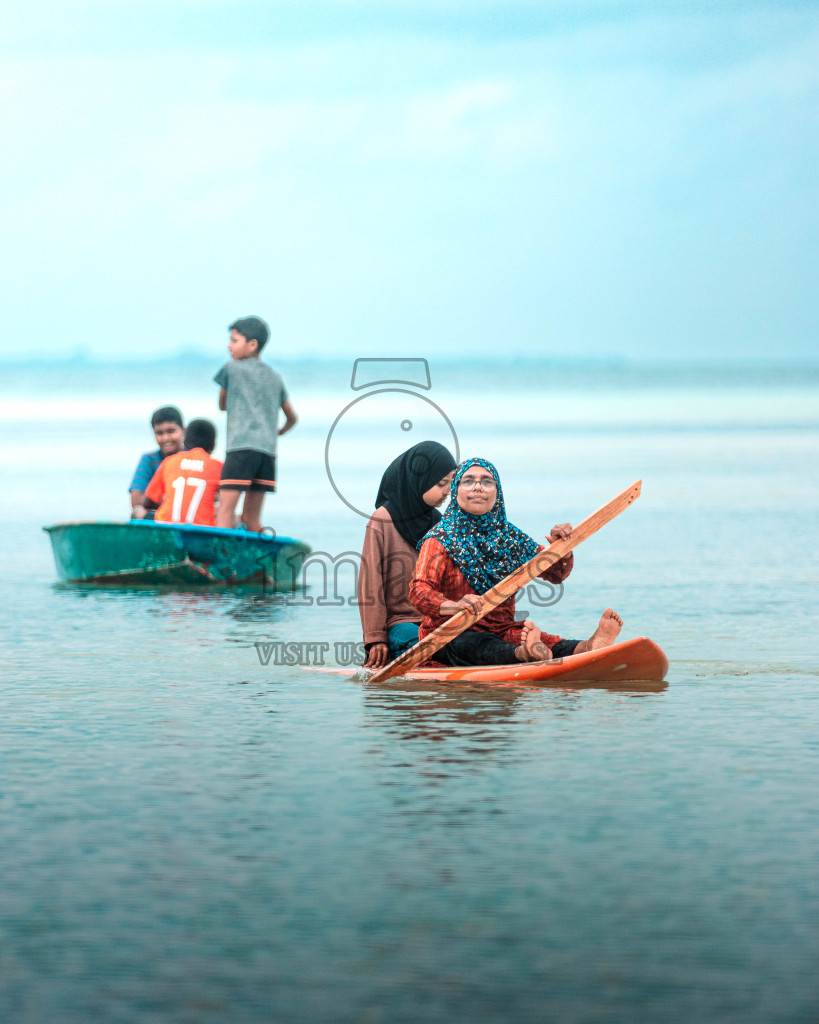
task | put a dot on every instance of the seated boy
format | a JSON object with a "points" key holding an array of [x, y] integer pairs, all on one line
{"points": [[169, 431], [252, 393], [185, 485]]}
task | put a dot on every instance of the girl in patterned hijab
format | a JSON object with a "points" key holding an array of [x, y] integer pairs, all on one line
{"points": [[486, 547], [473, 548]]}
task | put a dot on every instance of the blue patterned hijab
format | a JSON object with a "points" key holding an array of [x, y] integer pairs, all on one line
{"points": [[485, 548]]}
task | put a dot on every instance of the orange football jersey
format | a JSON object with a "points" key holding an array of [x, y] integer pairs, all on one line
{"points": [[184, 486]]}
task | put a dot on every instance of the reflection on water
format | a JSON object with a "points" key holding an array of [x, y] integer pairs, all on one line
{"points": [[242, 604], [468, 755], [411, 710]]}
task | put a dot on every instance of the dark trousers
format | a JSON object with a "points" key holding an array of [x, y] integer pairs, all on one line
{"points": [[475, 647]]}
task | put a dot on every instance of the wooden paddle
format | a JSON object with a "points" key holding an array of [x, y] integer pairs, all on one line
{"points": [[508, 587]]}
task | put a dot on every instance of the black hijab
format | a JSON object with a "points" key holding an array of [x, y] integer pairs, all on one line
{"points": [[404, 483]]}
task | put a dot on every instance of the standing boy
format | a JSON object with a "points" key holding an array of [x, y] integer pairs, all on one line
{"points": [[169, 432], [252, 393], [185, 485]]}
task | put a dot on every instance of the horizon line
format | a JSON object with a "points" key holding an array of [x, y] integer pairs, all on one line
{"points": [[609, 361]]}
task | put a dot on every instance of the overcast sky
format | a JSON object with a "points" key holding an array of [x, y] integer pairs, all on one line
{"points": [[419, 178]]}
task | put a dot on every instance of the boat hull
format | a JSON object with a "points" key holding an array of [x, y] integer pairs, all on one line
{"points": [[147, 552]]}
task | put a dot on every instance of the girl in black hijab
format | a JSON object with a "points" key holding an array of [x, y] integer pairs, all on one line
{"points": [[412, 487], [405, 483]]}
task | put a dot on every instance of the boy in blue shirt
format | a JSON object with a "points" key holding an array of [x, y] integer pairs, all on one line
{"points": [[252, 393], [169, 431]]}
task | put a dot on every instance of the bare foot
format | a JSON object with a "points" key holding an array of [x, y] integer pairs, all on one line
{"points": [[607, 631], [532, 648]]}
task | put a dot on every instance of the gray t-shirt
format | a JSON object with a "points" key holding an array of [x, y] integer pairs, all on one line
{"points": [[255, 393]]}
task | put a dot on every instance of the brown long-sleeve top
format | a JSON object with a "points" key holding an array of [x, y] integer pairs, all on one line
{"points": [[387, 561], [437, 579]]}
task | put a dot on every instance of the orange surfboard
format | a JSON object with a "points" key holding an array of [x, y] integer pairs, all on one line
{"points": [[638, 660]]}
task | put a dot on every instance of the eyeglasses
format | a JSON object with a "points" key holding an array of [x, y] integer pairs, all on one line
{"points": [[486, 483]]}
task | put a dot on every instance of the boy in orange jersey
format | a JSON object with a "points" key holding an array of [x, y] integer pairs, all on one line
{"points": [[185, 485]]}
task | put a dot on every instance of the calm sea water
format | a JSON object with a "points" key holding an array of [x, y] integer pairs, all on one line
{"points": [[188, 835]]}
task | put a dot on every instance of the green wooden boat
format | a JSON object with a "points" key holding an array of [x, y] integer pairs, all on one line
{"points": [[143, 551]]}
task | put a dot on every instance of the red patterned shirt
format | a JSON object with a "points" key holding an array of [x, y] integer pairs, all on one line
{"points": [[437, 579]]}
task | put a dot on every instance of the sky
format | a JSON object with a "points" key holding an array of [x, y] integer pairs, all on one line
{"points": [[498, 179]]}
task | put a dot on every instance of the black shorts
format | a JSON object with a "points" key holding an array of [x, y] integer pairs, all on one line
{"points": [[248, 470]]}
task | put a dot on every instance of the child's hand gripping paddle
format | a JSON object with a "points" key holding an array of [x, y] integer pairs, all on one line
{"points": [[462, 620]]}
